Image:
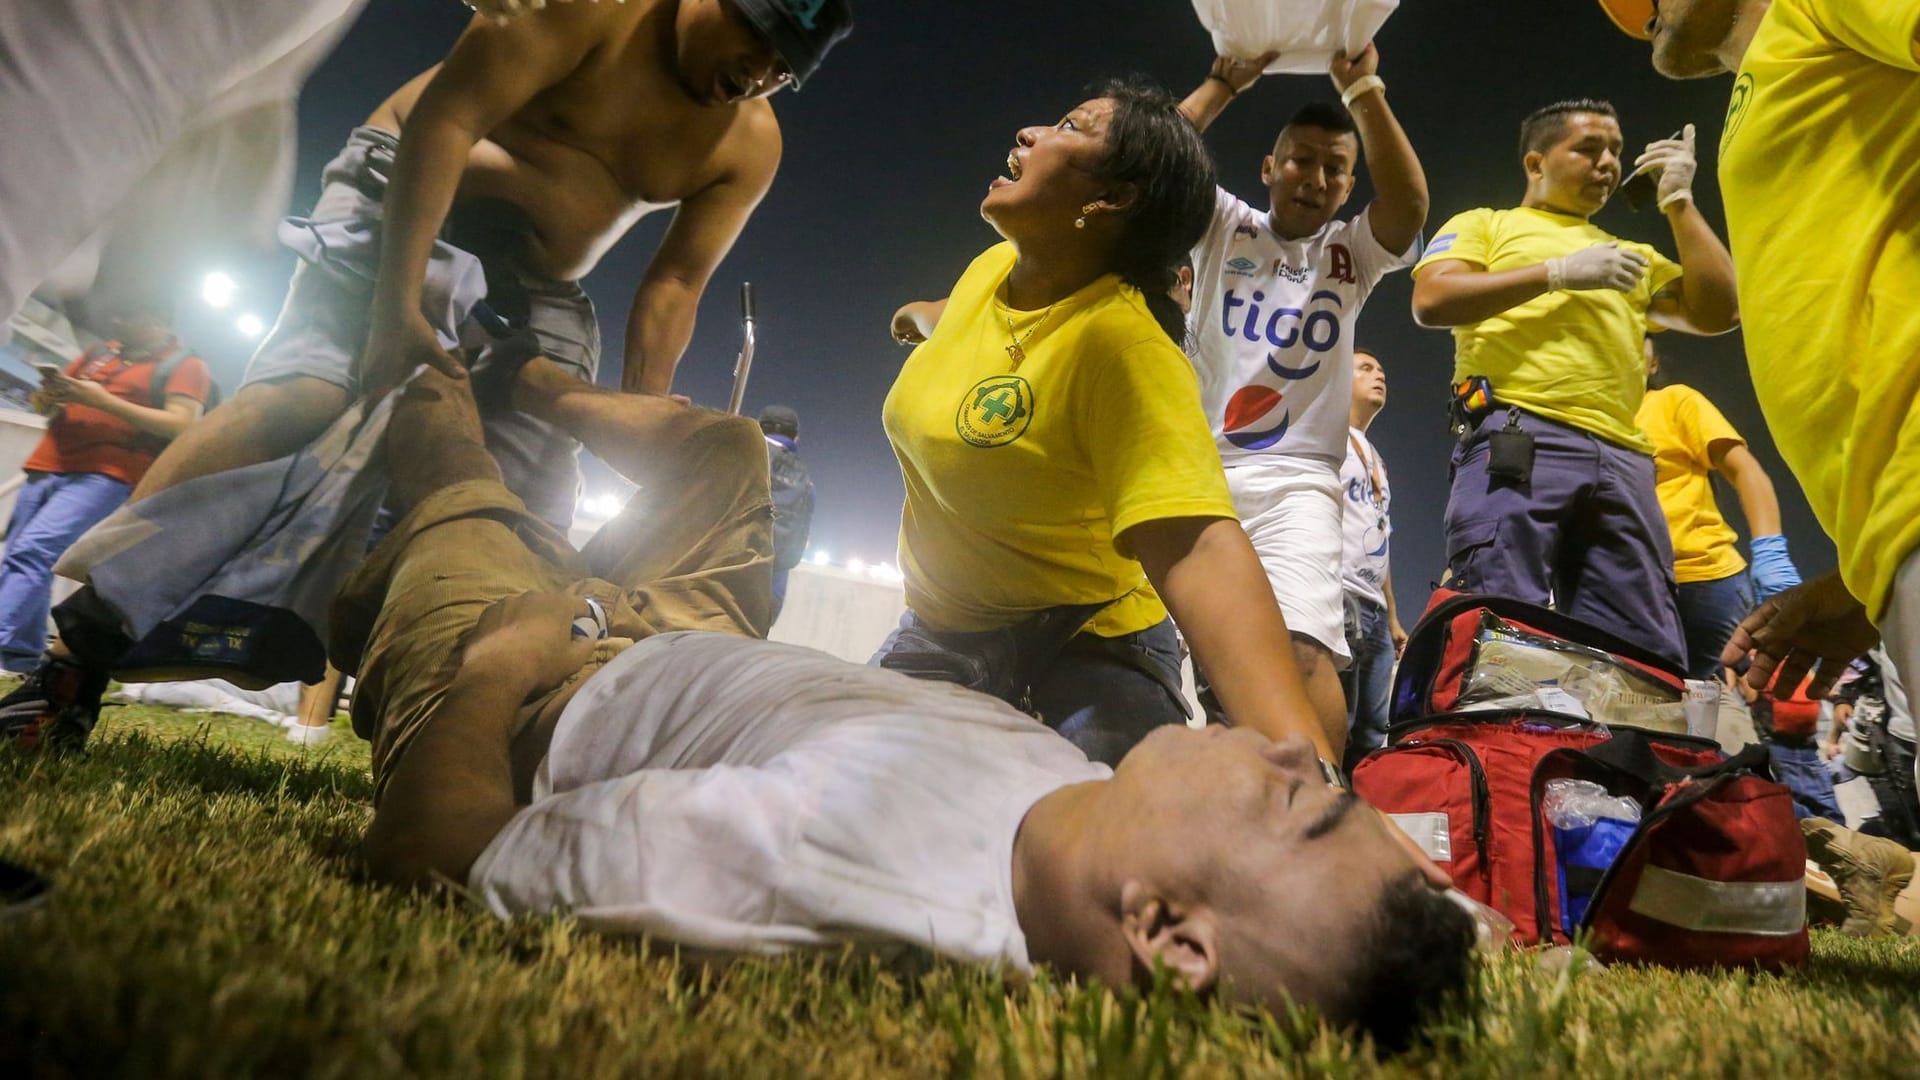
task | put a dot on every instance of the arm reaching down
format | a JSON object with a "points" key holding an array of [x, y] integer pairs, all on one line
{"points": [[703, 231], [1818, 627], [1213, 584], [492, 72], [1773, 569]]}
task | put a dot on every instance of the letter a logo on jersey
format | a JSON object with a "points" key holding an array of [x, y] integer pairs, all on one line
{"points": [[1340, 263]]}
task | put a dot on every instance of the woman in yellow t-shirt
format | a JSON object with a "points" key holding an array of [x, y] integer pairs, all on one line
{"points": [[1061, 479]]}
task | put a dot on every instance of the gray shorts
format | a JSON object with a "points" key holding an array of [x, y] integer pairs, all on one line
{"points": [[322, 329]]}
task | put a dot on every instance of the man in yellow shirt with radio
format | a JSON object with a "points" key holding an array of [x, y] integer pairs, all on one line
{"points": [[1552, 496]]}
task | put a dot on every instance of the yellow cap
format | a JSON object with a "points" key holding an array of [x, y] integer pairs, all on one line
{"points": [[1631, 16]]}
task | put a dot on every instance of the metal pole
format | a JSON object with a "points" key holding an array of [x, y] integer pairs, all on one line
{"points": [[744, 365]]}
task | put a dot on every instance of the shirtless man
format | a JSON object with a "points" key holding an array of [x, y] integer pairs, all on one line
{"points": [[528, 152], [539, 142]]}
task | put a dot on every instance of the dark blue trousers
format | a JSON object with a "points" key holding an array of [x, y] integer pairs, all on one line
{"points": [[1583, 534]]}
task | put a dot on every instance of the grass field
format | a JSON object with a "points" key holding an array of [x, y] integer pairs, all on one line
{"points": [[208, 921]]}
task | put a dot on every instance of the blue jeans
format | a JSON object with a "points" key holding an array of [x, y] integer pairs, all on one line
{"points": [[1583, 533], [1103, 694], [1368, 681], [1106, 694], [1709, 611], [53, 509], [1800, 768]]}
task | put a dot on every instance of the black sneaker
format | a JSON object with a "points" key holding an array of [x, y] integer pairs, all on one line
{"points": [[54, 708]]}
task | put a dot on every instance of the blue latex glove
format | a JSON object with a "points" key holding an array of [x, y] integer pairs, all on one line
{"points": [[1773, 569]]}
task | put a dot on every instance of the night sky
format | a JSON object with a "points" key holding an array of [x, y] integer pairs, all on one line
{"points": [[891, 147]]}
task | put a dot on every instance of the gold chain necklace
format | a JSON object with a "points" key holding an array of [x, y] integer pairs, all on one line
{"points": [[1017, 351]]}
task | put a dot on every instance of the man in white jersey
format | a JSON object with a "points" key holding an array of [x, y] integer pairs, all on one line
{"points": [[1374, 633], [739, 796], [1276, 293]]}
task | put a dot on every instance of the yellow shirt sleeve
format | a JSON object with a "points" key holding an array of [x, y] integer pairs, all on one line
{"points": [[1885, 30], [1463, 237], [1147, 437], [1701, 425], [1661, 271]]}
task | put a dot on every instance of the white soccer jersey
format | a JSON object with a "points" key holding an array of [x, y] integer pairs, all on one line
{"points": [[1273, 325], [1366, 520]]}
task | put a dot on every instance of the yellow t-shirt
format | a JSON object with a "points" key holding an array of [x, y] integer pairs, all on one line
{"points": [[1820, 171], [1569, 356], [1019, 476], [1683, 426]]}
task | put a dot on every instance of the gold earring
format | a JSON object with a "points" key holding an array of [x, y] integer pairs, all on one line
{"points": [[1081, 221]]}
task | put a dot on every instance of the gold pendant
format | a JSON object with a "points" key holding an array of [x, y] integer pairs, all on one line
{"points": [[1015, 353]]}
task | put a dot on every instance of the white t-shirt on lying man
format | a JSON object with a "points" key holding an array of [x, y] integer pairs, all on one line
{"points": [[744, 796]]}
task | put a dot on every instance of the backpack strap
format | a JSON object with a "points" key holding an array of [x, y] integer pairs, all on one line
{"points": [[163, 376]]}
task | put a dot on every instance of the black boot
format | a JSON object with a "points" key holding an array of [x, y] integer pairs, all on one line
{"points": [[55, 708]]}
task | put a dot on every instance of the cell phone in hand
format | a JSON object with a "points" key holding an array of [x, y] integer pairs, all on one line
{"points": [[1642, 184], [49, 371]]}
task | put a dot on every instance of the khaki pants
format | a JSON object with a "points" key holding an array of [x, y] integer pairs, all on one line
{"points": [[693, 550]]}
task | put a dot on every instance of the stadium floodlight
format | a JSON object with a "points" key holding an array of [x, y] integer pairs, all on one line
{"points": [[250, 325], [604, 506], [820, 557], [857, 566], [218, 290]]}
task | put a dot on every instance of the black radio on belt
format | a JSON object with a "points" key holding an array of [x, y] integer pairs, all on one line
{"points": [[1510, 451]]}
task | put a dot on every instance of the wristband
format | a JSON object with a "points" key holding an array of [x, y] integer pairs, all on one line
{"points": [[1556, 274], [1360, 86], [592, 625], [1224, 81]]}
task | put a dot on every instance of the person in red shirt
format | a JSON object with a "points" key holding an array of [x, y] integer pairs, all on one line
{"points": [[107, 421], [1790, 724]]}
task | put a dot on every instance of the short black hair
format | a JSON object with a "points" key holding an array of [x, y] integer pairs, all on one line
{"points": [[1419, 958], [1543, 127], [1324, 115]]}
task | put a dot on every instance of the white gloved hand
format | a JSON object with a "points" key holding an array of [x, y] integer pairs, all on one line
{"points": [[1602, 266], [1676, 163]]}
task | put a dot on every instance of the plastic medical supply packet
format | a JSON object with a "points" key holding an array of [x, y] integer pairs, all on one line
{"points": [[1514, 669], [1492, 931], [1590, 829]]}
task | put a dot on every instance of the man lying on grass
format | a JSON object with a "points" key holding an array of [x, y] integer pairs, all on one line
{"points": [[730, 794]]}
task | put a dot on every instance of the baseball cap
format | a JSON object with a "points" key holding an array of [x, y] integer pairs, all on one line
{"points": [[1631, 16], [801, 31], [780, 416]]}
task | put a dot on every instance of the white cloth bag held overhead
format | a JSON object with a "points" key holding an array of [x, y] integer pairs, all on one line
{"points": [[1306, 33]]}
